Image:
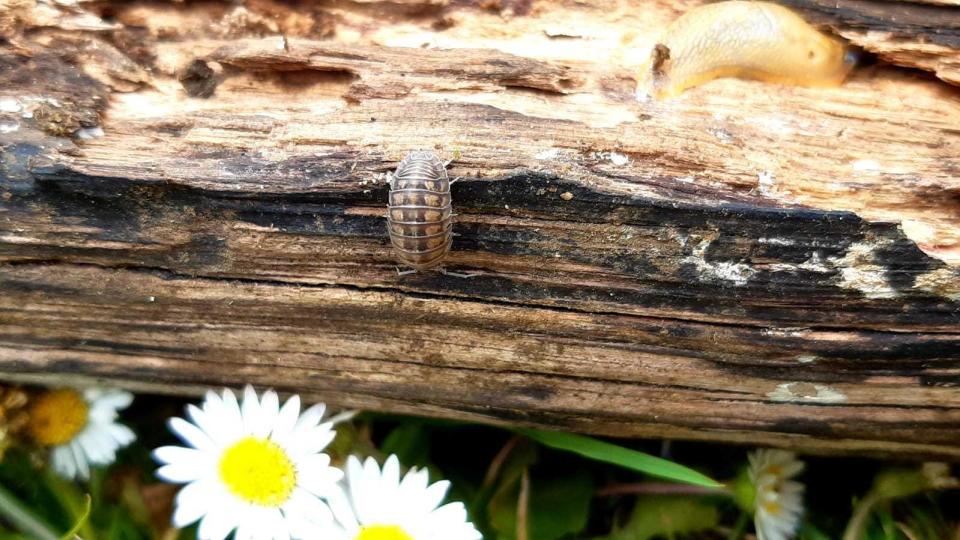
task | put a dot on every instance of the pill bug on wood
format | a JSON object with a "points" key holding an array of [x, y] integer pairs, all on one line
{"points": [[420, 212]]}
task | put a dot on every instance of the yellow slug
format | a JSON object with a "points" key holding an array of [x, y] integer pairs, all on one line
{"points": [[750, 40]]}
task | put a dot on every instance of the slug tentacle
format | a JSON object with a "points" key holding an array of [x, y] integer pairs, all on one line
{"points": [[745, 39]]}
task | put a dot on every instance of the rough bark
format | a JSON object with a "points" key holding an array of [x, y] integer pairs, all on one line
{"points": [[749, 263]]}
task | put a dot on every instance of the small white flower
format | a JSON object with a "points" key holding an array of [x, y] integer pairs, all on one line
{"points": [[380, 505], [80, 428], [255, 467], [779, 500]]}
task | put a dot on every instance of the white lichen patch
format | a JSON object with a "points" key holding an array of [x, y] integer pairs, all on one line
{"points": [[859, 271], [722, 134], [765, 182], [806, 393], [815, 264], [807, 358], [943, 282], [548, 154], [773, 124], [618, 159], [777, 241], [9, 126], [613, 157], [89, 133], [10, 105], [785, 332], [736, 273], [865, 165]]}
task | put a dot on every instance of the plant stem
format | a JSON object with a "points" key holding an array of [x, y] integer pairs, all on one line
{"points": [[741, 525], [494, 469], [859, 519], [523, 505]]}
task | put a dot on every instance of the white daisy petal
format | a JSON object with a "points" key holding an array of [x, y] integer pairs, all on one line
{"points": [[190, 507], [277, 524], [114, 399], [63, 463], [83, 465], [342, 417], [269, 409], [302, 503], [286, 419], [311, 417], [231, 408], [451, 512], [315, 440], [254, 468], [121, 434], [179, 473], [190, 433], [316, 475], [250, 410], [779, 500], [434, 494], [95, 452], [217, 431], [343, 512], [391, 471], [216, 525], [380, 497], [179, 455]]}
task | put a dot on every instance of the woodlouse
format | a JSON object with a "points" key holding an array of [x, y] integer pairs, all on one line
{"points": [[420, 211]]}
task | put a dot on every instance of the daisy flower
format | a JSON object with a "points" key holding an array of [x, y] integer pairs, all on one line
{"points": [[79, 427], [255, 467], [778, 503], [378, 504]]}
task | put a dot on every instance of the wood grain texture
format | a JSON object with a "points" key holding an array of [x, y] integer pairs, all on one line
{"points": [[749, 263]]}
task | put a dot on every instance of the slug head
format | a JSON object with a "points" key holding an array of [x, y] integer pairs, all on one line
{"points": [[821, 59]]}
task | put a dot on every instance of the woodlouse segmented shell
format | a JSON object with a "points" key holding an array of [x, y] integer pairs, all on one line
{"points": [[419, 212]]}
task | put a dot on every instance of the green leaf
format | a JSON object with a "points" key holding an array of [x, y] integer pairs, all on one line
{"points": [[667, 515], [23, 519], [810, 532], [559, 506], [598, 450], [69, 535], [410, 441]]}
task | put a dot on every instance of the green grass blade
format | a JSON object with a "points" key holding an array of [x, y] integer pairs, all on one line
{"points": [[23, 519], [74, 503], [72, 533], [598, 450]]}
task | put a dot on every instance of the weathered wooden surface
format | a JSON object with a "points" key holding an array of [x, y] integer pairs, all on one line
{"points": [[747, 263]]}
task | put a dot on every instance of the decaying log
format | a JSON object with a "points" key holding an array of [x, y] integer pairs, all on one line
{"points": [[193, 195]]}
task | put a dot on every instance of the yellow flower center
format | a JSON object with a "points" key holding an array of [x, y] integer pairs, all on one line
{"points": [[258, 471], [772, 507], [775, 470], [57, 416], [383, 532]]}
